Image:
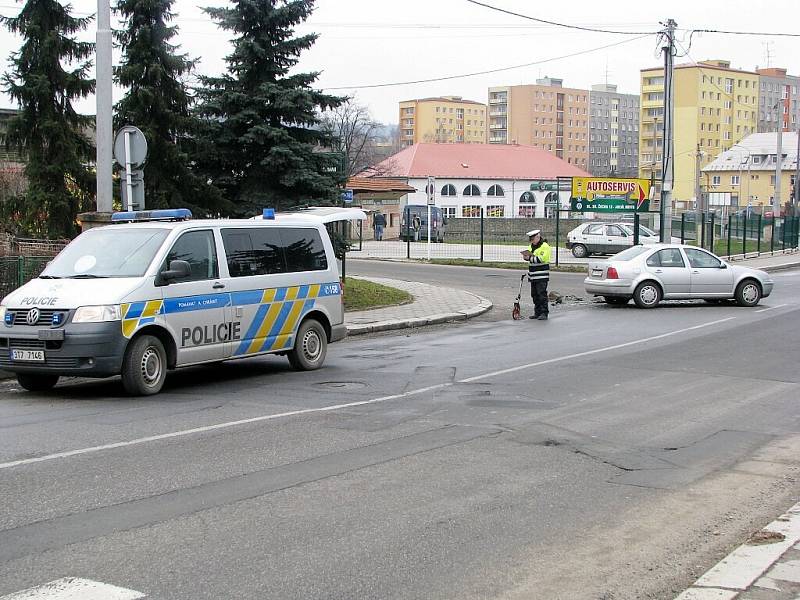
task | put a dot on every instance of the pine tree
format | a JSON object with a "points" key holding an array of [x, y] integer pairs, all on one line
{"points": [[159, 103], [48, 130], [263, 138]]}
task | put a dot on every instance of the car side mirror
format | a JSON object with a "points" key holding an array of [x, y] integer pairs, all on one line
{"points": [[723, 266], [178, 269]]}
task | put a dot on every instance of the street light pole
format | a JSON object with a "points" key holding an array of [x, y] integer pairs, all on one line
{"points": [[104, 123]]}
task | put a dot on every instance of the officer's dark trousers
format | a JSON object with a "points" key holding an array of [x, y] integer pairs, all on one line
{"points": [[539, 295]]}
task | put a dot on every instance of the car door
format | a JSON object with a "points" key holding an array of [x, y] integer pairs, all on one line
{"points": [[669, 268], [710, 276], [616, 239], [592, 238], [195, 307]]}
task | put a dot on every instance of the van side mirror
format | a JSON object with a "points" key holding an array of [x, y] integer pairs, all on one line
{"points": [[178, 269], [722, 265]]}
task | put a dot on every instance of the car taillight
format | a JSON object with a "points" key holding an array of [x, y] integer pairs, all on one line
{"points": [[611, 273]]}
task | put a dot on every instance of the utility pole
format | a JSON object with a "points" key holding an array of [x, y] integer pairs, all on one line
{"points": [[667, 164], [698, 200], [776, 201], [104, 123]]}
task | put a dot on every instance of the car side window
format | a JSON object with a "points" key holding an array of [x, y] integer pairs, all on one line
{"points": [[654, 260], [615, 231], [257, 251], [702, 260], [594, 230], [671, 257], [198, 249]]}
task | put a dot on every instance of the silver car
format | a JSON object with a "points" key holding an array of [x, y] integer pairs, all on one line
{"points": [[650, 274], [606, 238]]}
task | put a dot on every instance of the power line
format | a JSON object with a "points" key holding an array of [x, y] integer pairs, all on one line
{"points": [[556, 23], [756, 33], [498, 70]]}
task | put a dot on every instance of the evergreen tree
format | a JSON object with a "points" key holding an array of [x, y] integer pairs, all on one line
{"points": [[158, 102], [262, 143], [48, 130]]}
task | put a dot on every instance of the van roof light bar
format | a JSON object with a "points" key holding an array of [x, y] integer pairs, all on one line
{"points": [[138, 216]]}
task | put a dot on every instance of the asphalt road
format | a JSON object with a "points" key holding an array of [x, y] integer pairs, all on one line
{"points": [[498, 285], [607, 453]]}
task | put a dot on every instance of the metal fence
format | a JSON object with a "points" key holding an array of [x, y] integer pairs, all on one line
{"points": [[488, 239], [18, 270]]}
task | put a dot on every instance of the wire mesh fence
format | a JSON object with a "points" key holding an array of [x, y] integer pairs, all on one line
{"points": [[18, 270]]}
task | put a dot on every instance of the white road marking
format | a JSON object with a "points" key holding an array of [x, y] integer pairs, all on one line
{"points": [[596, 351], [74, 588], [771, 308], [335, 407]]}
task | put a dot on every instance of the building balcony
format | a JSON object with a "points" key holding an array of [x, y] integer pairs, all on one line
{"points": [[498, 112], [499, 100]]}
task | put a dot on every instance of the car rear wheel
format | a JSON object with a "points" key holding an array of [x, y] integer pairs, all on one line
{"points": [[748, 293], [616, 300], [310, 347], [647, 295], [580, 251], [37, 383], [144, 367]]}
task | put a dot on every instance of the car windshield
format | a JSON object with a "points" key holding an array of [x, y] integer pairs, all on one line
{"points": [[630, 253], [107, 252], [643, 231]]}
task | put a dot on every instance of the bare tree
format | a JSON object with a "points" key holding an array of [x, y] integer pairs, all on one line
{"points": [[356, 131]]}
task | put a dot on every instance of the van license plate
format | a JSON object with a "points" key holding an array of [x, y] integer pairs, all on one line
{"points": [[27, 355]]}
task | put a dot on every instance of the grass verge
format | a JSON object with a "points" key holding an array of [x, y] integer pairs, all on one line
{"points": [[364, 295], [520, 266]]}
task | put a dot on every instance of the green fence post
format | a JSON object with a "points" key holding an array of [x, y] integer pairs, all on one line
{"points": [[772, 237], [683, 228], [558, 230], [783, 233], [744, 233], [758, 244], [481, 234], [730, 222]]}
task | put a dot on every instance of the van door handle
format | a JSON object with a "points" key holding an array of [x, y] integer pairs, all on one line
{"points": [[659, 271], [218, 285]]}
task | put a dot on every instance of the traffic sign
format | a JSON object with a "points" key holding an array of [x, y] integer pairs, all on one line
{"points": [[610, 194], [137, 191], [430, 190], [347, 196], [137, 146]]}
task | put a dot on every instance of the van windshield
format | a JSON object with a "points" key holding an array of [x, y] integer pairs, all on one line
{"points": [[107, 252]]}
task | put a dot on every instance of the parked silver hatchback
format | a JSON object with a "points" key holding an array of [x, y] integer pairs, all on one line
{"points": [[650, 274]]}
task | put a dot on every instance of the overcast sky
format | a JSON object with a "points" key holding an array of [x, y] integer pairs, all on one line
{"points": [[371, 42]]}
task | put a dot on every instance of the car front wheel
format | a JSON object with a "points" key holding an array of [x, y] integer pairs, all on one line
{"points": [[748, 293], [37, 383], [647, 295], [580, 251]]}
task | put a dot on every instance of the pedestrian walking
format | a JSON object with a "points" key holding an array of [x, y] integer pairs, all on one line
{"points": [[416, 223], [538, 257], [378, 223]]}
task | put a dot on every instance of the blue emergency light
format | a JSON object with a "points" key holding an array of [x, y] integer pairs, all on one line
{"points": [[167, 214], [268, 213]]}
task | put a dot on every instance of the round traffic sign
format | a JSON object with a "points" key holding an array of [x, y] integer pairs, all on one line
{"points": [[137, 142]]}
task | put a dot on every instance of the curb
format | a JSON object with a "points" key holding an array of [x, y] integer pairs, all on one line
{"points": [[392, 324], [782, 266], [747, 564]]}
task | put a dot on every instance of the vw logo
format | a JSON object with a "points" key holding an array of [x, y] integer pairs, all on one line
{"points": [[33, 316]]}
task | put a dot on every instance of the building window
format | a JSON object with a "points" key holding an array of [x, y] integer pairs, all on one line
{"points": [[448, 190], [495, 190], [734, 180], [449, 212], [495, 211], [472, 190], [471, 211], [715, 180]]}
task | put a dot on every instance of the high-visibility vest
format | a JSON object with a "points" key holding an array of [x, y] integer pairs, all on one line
{"points": [[539, 264]]}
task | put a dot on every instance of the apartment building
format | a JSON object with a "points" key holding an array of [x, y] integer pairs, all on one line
{"points": [[443, 120], [613, 132], [546, 116], [777, 99], [715, 107]]}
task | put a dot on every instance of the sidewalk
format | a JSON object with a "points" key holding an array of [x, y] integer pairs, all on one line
{"points": [[766, 567], [432, 304], [778, 262]]}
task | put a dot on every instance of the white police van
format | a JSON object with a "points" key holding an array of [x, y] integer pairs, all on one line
{"points": [[157, 290]]}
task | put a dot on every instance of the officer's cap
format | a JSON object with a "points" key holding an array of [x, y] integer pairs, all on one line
{"points": [[533, 232]]}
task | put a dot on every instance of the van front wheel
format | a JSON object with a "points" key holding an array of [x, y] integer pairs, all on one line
{"points": [[144, 367], [37, 383], [310, 347]]}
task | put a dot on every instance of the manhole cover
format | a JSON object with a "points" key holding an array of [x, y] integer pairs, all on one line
{"points": [[343, 385]]}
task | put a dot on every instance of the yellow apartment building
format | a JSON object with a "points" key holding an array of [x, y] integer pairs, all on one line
{"points": [[745, 174], [444, 120], [546, 116], [715, 107]]}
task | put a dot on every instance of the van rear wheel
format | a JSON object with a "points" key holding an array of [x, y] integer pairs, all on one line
{"points": [[37, 383], [144, 367], [310, 347]]}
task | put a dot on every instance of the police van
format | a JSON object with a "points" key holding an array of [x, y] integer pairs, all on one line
{"points": [[157, 290]]}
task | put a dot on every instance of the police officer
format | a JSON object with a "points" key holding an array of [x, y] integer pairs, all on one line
{"points": [[538, 256]]}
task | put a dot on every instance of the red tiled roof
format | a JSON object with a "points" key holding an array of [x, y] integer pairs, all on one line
{"points": [[476, 161], [369, 184]]}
